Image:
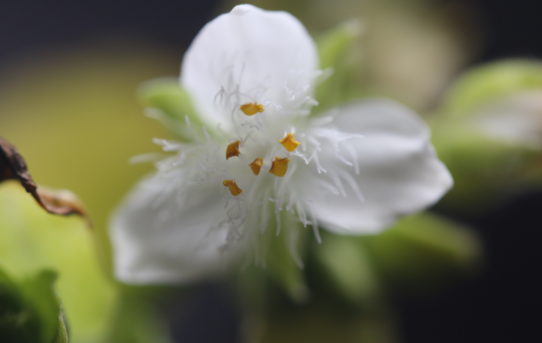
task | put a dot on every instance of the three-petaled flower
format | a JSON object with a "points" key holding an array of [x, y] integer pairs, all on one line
{"points": [[251, 75]]}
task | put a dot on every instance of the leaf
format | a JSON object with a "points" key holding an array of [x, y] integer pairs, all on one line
{"points": [[32, 240], [30, 312], [13, 167]]}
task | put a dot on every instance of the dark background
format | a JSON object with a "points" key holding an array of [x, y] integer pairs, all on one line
{"points": [[511, 27], [501, 304]]}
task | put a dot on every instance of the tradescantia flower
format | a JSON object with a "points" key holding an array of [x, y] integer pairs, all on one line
{"points": [[260, 153]]}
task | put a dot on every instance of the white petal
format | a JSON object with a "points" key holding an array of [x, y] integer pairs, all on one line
{"points": [[399, 172], [248, 55], [168, 231]]}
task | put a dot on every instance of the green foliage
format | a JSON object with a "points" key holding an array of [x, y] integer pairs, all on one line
{"points": [[30, 311], [32, 240]]}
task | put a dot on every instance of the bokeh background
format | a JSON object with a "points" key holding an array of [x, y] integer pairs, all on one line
{"points": [[69, 77]]}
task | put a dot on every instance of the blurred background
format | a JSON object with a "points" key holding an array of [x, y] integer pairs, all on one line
{"points": [[69, 78]]}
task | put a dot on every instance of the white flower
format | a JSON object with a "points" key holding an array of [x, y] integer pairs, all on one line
{"points": [[251, 74]]}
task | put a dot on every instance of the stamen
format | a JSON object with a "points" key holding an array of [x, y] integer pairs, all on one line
{"points": [[251, 108], [233, 149], [232, 186], [256, 165], [279, 166], [289, 142]]}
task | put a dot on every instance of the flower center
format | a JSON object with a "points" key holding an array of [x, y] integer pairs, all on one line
{"points": [[278, 164]]}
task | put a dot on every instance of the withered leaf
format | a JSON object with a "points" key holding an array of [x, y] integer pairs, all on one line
{"points": [[13, 167]]}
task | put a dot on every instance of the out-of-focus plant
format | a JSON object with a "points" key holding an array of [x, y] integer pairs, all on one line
{"points": [[79, 100], [30, 311], [488, 131], [31, 241]]}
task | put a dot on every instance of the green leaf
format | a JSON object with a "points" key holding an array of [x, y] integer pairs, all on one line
{"points": [[172, 105], [423, 250], [488, 83], [30, 310], [338, 56]]}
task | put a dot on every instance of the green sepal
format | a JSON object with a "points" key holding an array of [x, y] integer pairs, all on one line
{"points": [[489, 83], [171, 104], [30, 310], [338, 52]]}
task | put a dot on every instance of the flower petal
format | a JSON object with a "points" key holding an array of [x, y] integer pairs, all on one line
{"points": [[248, 55], [398, 173], [169, 231]]}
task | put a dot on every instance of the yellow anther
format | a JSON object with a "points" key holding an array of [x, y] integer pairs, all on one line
{"points": [[232, 186], [251, 108], [232, 149], [279, 166], [289, 142], [256, 165]]}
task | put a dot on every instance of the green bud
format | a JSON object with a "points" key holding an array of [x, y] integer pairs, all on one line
{"points": [[489, 83]]}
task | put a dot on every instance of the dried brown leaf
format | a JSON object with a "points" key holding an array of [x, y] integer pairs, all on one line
{"points": [[13, 167]]}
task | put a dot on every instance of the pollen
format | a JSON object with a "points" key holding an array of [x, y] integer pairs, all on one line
{"points": [[279, 166], [233, 149], [232, 186], [256, 165], [251, 108], [289, 142]]}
